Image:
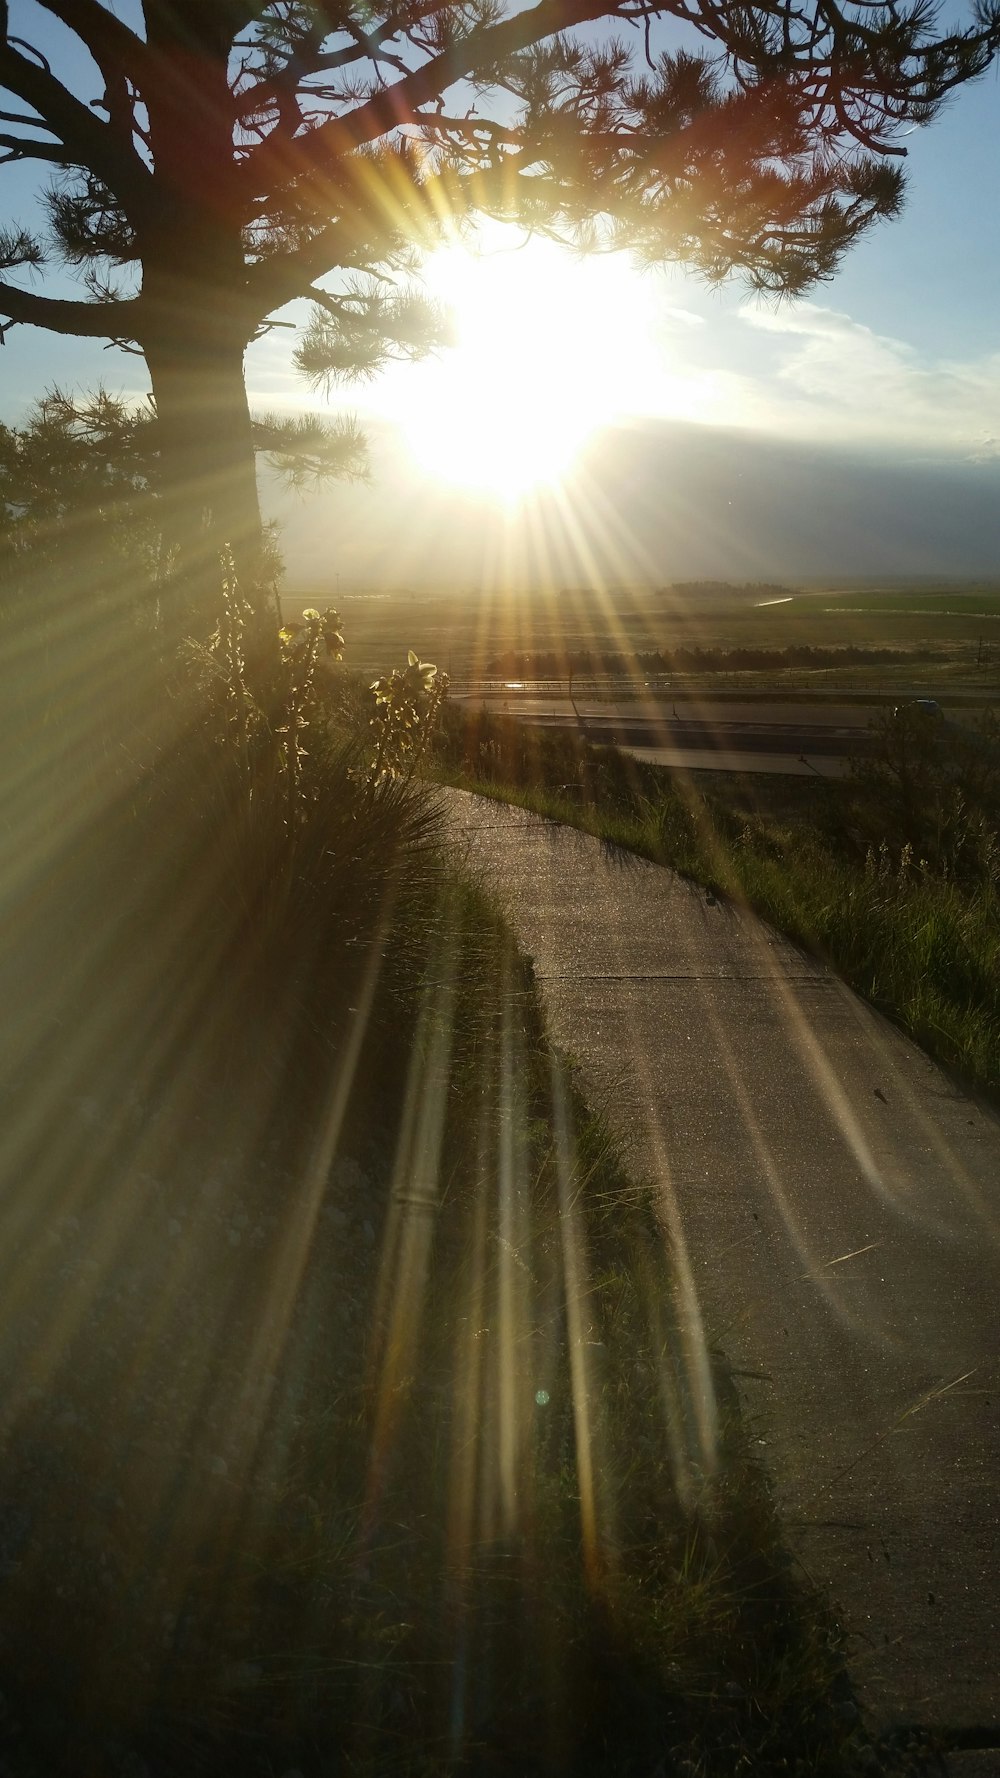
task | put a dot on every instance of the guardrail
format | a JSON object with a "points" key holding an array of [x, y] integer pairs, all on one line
{"points": [[551, 688]]}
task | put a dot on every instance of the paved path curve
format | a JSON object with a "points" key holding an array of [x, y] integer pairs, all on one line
{"points": [[835, 1201]]}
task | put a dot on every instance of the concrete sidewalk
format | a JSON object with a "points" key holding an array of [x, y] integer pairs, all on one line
{"points": [[836, 1201]]}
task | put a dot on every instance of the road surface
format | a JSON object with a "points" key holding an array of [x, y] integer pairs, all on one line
{"points": [[705, 735], [718, 759], [834, 1204], [702, 733], [691, 708]]}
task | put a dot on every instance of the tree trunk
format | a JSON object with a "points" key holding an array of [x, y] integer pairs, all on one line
{"points": [[196, 325], [207, 472]]}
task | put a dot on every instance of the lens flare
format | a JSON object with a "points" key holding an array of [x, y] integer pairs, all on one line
{"points": [[530, 377]]}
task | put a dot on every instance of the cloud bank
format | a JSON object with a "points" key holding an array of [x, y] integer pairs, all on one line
{"points": [[835, 379]]}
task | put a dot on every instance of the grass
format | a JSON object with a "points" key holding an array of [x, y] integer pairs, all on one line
{"points": [[466, 630], [348, 1422], [907, 601], [459, 1536], [923, 948]]}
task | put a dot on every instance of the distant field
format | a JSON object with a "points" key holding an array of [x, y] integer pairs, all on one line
{"points": [[902, 603], [465, 632], [890, 605]]}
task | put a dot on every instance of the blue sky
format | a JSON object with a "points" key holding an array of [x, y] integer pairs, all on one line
{"points": [[895, 362]]}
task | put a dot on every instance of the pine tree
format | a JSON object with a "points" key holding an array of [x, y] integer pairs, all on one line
{"points": [[233, 156]]}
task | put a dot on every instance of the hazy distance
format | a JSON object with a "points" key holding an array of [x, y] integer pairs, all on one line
{"points": [[651, 502]]}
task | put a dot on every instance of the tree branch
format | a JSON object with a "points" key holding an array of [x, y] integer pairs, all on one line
{"points": [[484, 47], [282, 277], [17, 149], [114, 320], [366, 45], [30, 123], [115, 47], [436, 122], [87, 141]]}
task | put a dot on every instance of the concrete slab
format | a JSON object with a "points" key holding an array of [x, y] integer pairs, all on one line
{"points": [[772, 765], [836, 1202]]}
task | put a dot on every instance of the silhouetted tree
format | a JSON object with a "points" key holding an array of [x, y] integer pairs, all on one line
{"points": [[79, 495], [233, 155]]}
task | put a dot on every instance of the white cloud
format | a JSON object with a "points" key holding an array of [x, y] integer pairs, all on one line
{"points": [[840, 381], [685, 317]]}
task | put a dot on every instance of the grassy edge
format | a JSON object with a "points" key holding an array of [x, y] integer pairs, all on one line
{"points": [[708, 1613], [278, 1610], [961, 1038], [705, 1615]]}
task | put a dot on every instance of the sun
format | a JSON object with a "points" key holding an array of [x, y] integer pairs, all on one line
{"points": [[532, 373]]}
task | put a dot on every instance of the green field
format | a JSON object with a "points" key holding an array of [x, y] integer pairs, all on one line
{"points": [[948, 636], [904, 602]]}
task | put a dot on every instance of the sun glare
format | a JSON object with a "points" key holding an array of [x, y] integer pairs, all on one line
{"points": [[543, 344]]}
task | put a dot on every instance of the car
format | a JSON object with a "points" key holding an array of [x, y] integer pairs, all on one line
{"points": [[928, 707]]}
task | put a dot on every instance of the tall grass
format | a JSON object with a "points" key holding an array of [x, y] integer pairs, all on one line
{"points": [[347, 1424], [390, 1465]]}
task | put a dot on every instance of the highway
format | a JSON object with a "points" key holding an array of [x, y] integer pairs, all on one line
{"points": [[706, 734]]}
